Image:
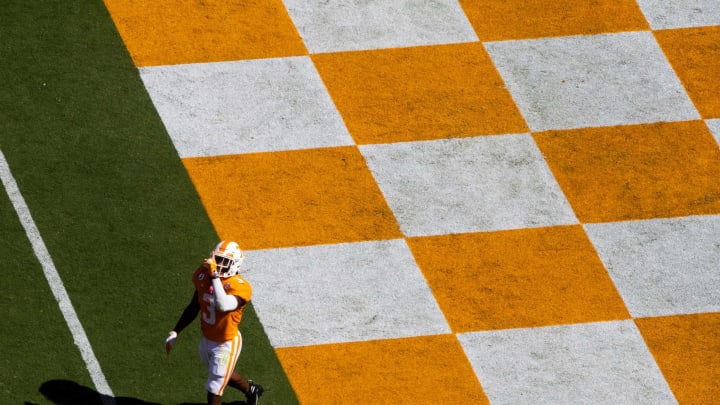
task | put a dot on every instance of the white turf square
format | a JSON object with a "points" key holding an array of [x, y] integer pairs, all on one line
{"points": [[245, 106], [342, 293], [662, 266], [351, 25], [591, 81], [593, 363], [662, 14], [714, 126], [468, 185]]}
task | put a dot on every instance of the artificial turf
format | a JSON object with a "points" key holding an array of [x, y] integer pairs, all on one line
{"points": [[116, 209]]}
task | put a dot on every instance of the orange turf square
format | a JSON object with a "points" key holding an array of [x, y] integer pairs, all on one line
{"points": [[168, 32], [498, 20], [419, 93], [687, 350], [636, 172], [419, 370], [283, 199], [518, 278], [694, 53]]}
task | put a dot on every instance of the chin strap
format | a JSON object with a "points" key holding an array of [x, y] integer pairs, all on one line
{"points": [[223, 302]]}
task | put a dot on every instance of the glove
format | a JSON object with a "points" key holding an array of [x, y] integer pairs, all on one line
{"points": [[211, 267], [170, 341]]}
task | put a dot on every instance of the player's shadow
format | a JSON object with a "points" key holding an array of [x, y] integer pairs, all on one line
{"points": [[65, 392]]}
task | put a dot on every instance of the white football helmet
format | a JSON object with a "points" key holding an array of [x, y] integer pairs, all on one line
{"points": [[228, 257]]}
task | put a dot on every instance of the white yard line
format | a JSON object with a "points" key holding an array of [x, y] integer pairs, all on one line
{"points": [[56, 284]]}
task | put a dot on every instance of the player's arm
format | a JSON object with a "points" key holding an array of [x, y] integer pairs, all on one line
{"points": [[189, 314], [225, 302]]}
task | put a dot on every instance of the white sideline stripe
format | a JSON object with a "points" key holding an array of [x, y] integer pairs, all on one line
{"points": [[56, 284]]}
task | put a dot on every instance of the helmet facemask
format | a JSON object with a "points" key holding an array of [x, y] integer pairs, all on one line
{"points": [[228, 258]]}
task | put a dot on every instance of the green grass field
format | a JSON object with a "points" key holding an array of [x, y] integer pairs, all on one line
{"points": [[117, 212]]}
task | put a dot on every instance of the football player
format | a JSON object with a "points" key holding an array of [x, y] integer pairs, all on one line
{"points": [[220, 296]]}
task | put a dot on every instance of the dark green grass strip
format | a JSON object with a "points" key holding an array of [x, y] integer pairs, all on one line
{"points": [[37, 346], [113, 203]]}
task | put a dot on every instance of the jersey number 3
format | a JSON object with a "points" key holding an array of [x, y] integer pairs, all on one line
{"points": [[208, 313]]}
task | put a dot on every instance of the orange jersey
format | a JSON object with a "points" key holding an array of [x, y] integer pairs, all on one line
{"points": [[216, 325]]}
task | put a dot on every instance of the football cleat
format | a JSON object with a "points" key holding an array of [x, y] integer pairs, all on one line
{"points": [[254, 393], [228, 258]]}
